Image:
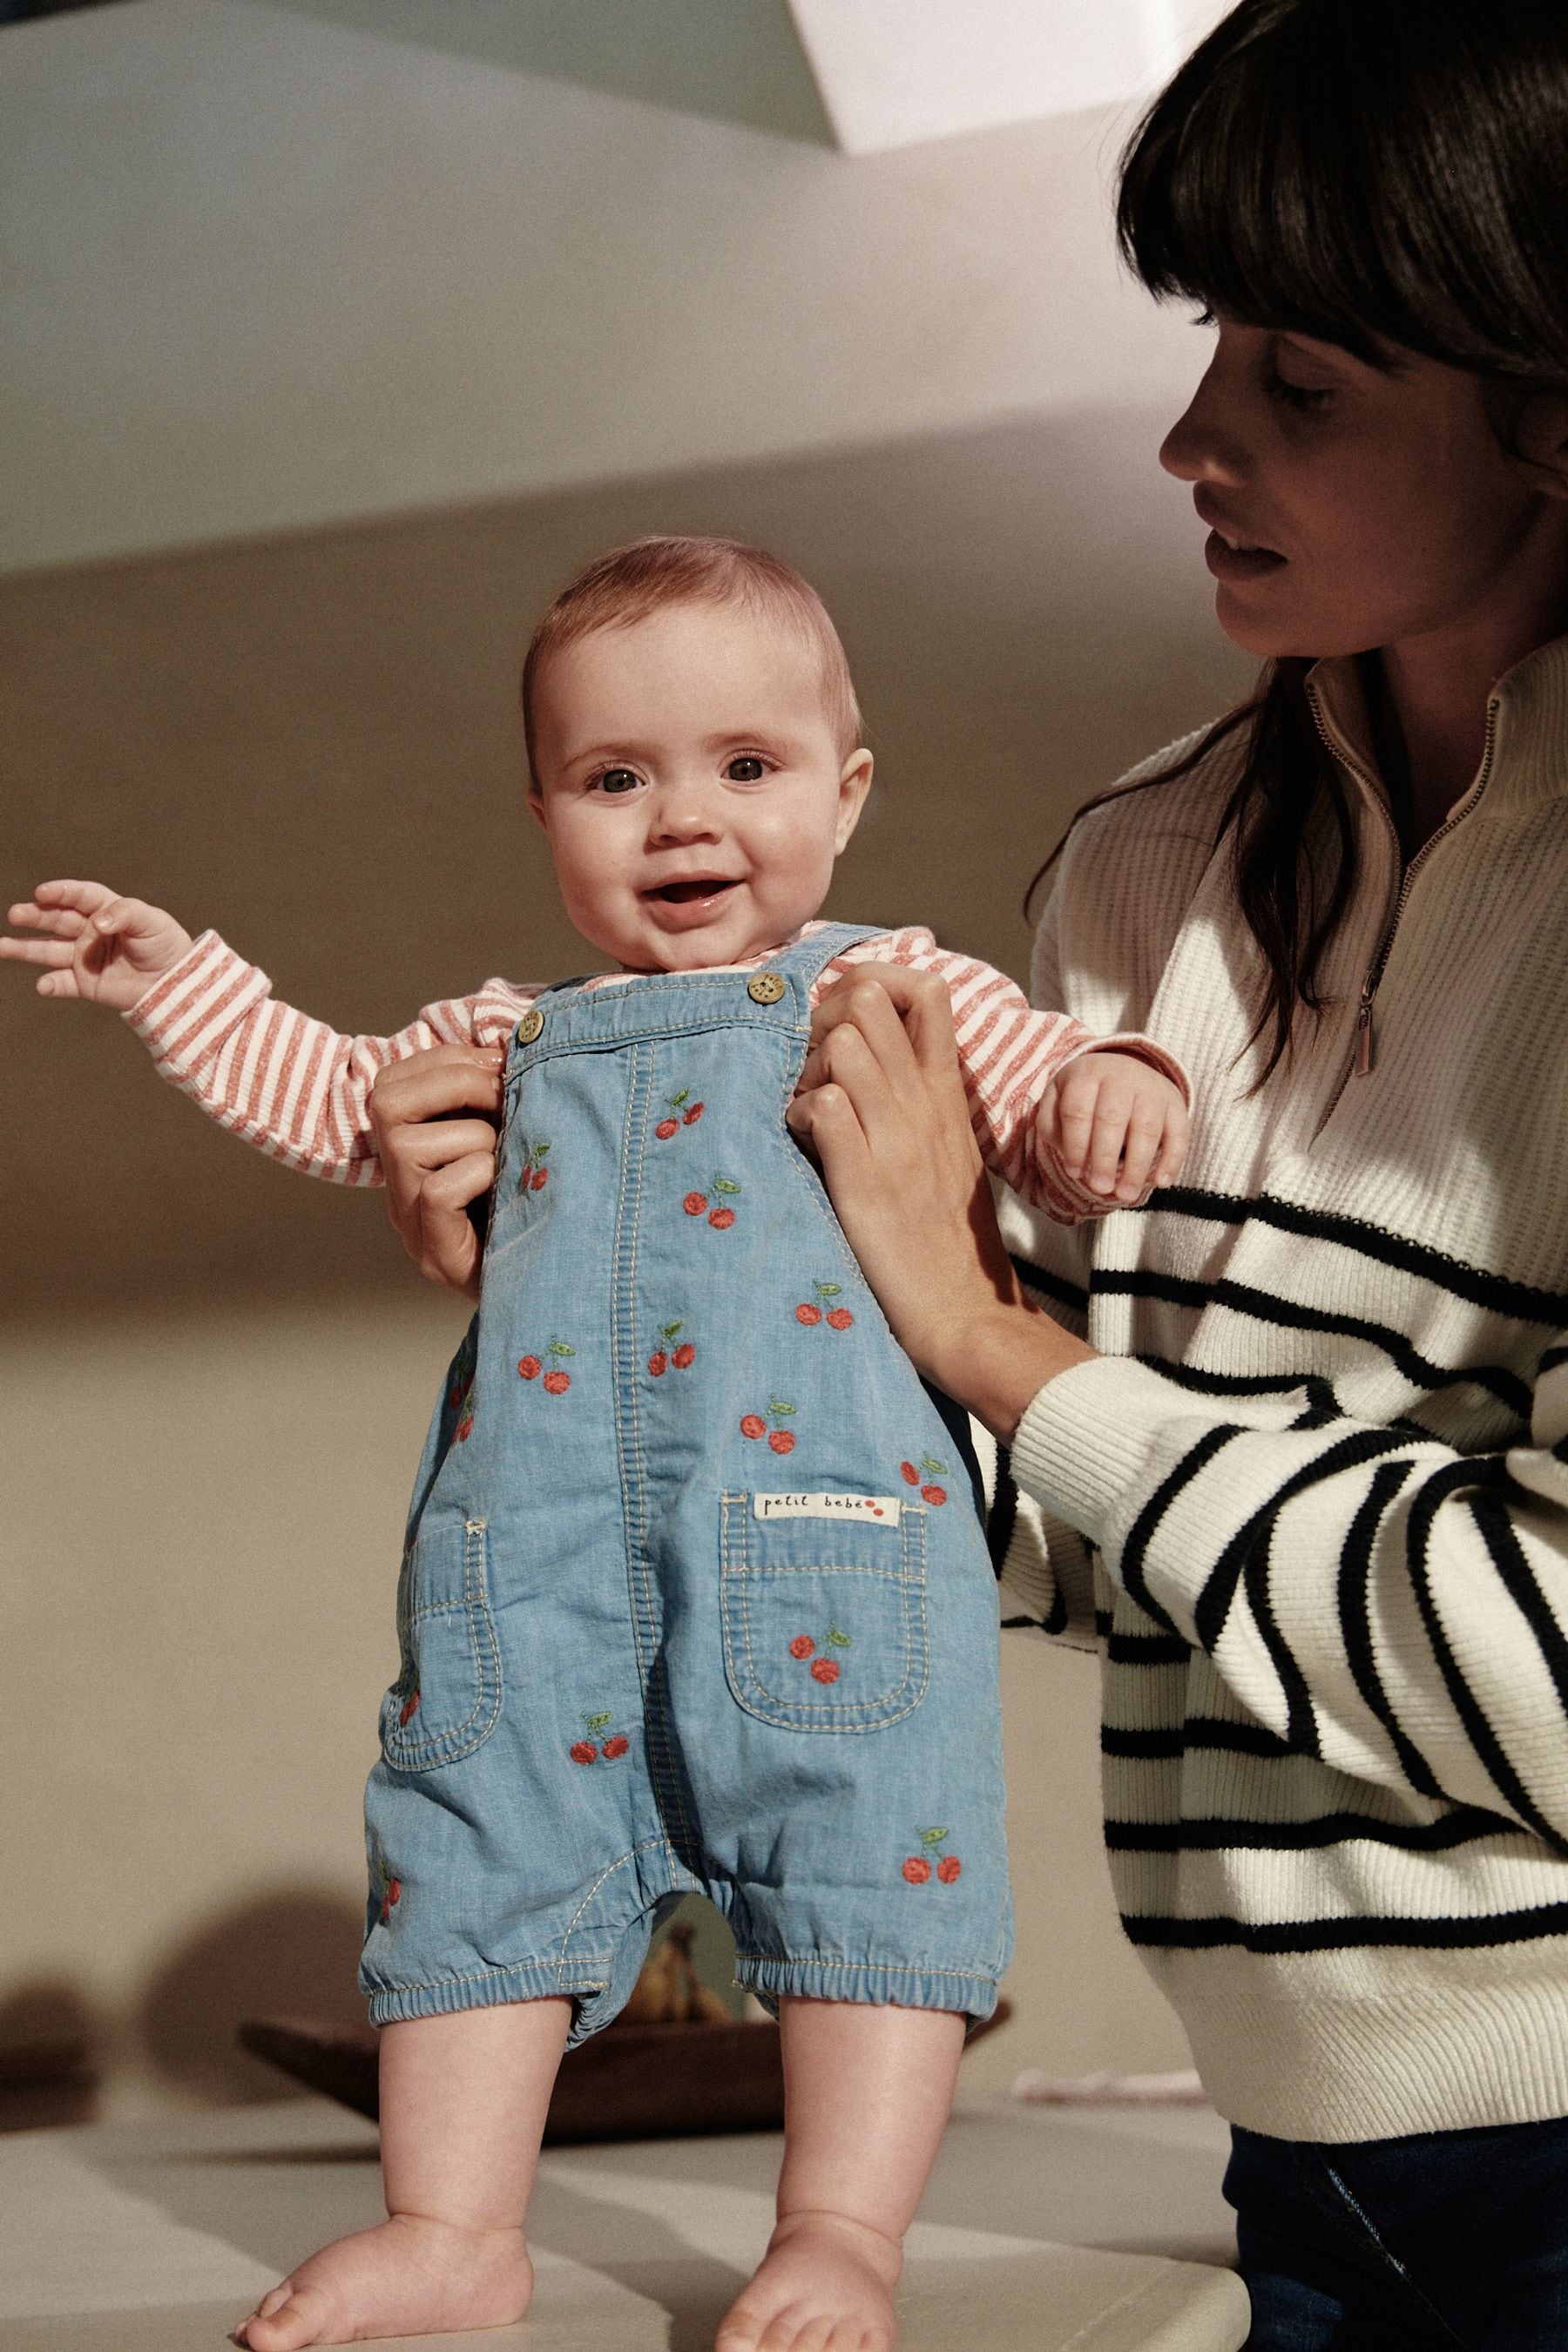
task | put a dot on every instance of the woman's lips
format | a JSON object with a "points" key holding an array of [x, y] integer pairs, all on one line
{"points": [[1228, 562]]}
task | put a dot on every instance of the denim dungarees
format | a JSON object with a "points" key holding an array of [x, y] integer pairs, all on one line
{"points": [[694, 1594]]}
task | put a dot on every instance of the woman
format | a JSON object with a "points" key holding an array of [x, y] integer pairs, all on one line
{"points": [[1306, 1469]]}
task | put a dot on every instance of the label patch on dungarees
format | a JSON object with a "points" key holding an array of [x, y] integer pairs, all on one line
{"points": [[882, 1511]]}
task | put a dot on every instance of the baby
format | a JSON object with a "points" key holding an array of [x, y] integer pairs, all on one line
{"points": [[694, 1596]]}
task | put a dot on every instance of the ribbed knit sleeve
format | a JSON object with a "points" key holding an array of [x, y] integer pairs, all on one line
{"points": [[1396, 1609], [290, 1084]]}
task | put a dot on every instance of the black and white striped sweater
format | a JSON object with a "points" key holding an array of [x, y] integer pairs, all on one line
{"points": [[1321, 1464]]}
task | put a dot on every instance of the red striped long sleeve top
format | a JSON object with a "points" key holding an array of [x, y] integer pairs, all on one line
{"points": [[300, 1090]]}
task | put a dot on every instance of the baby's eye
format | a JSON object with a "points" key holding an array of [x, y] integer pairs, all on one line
{"points": [[748, 770], [617, 780]]}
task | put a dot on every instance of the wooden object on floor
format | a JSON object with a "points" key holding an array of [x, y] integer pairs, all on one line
{"points": [[630, 2082]]}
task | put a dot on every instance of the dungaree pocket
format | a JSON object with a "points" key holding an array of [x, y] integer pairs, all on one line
{"points": [[824, 1620], [446, 1700]]}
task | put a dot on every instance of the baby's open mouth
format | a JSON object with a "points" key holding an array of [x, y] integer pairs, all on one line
{"points": [[680, 894]]}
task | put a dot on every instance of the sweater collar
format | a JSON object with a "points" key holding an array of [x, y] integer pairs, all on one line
{"points": [[1528, 715]]}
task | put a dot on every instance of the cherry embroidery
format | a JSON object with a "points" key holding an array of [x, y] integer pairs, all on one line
{"points": [[667, 1353], [682, 1112], [780, 1439], [929, 1469], [535, 1175], [722, 1190], [588, 1751], [824, 1669], [917, 1868], [812, 1312], [408, 1710], [391, 1889], [557, 1380], [465, 1413]]}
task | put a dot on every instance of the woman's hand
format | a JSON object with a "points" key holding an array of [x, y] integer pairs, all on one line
{"points": [[436, 1160], [881, 1104]]}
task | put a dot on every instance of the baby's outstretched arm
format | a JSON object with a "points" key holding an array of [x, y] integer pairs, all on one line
{"points": [[1114, 1123], [291, 1085], [93, 944]]}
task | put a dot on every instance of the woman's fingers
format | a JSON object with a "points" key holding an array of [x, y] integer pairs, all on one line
{"points": [[441, 1082], [893, 1009], [449, 1246], [435, 1160]]}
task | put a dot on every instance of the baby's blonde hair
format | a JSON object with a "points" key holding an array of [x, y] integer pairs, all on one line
{"points": [[649, 575]]}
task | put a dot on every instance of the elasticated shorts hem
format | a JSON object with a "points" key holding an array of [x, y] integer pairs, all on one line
{"points": [[882, 1984], [488, 1989]]}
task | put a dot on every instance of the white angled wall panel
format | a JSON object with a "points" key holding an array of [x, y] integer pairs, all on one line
{"points": [[892, 72]]}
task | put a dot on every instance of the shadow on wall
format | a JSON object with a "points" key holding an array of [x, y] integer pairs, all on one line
{"points": [[287, 1953], [311, 743], [50, 2043], [736, 59]]}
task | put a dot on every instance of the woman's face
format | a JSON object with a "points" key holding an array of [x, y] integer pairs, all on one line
{"points": [[1354, 506]]}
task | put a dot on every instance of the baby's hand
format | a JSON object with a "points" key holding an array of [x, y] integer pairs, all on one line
{"points": [[1115, 1124], [103, 948]]}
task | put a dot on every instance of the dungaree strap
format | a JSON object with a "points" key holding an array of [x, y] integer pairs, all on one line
{"points": [[805, 959], [808, 958]]}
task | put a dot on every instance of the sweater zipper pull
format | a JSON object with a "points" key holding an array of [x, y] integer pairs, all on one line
{"points": [[1363, 1029]]}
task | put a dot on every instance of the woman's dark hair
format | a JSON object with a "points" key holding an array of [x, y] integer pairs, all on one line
{"points": [[1367, 173]]}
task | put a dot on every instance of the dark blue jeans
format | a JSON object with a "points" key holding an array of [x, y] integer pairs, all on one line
{"points": [[1405, 2245]]}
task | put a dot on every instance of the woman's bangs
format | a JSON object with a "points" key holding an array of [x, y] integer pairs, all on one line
{"points": [[1239, 204], [1368, 172]]}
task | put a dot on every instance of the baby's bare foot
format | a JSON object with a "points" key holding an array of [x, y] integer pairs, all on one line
{"points": [[825, 2284], [411, 2276]]}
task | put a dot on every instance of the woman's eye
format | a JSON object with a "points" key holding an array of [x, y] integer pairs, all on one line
{"points": [[1295, 396], [617, 780], [746, 771]]}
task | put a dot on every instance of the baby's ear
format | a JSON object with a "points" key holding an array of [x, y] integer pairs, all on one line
{"points": [[854, 784], [1540, 440]]}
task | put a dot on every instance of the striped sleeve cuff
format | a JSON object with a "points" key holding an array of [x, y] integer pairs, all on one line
{"points": [[1085, 1440], [1144, 1049], [191, 1006]]}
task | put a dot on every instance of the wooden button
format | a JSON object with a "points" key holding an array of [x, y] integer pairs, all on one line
{"points": [[766, 987], [529, 1027]]}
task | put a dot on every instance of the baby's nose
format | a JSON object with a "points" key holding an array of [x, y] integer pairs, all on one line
{"points": [[685, 813]]}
